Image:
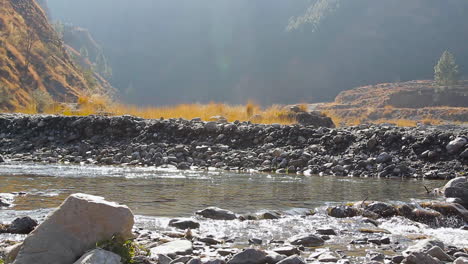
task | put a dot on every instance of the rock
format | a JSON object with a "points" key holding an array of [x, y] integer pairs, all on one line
{"points": [[273, 257], [382, 209], [423, 246], [255, 241], [163, 259], [292, 260], [216, 213], [2, 160], [328, 257], [249, 256], [288, 251], [456, 145], [270, 215], [184, 224], [24, 225], [448, 209], [326, 231], [75, 227], [307, 241], [99, 256], [375, 256], [420, 258], [343, 211], [211, 126], [397, 259], [11, 252], [173, 248], [457, 192], [453, 182], [183, 166], [461, 260], [183, 259], [384, 157], [438, 253]]}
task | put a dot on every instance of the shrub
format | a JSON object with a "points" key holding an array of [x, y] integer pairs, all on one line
{"points": [[42, 100], [126, 249]]}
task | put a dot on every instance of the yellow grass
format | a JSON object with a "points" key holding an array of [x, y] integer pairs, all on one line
{"points": [[102, 105]]}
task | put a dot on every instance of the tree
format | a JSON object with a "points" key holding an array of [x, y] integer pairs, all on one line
{"points": [[42, 100], [446, 70]]}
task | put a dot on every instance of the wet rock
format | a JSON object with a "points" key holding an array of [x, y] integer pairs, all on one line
{"points": [[343, 211], [249, 256], [423, 246], [397, 259], [326, 231], [375, 256], [173, 248], [184, 224], [273, 257], [2, 160], [292, 260], [270, 215], [183, 259], [75, 227], [461, 260], [328, 257], [216, 213], [24, 225], [288, 251], [438, 253], [448, 209], [99, 256], [456, 145], [163, 259], [255, 241], [457, 192], [307, 240], [183, 166], [420, 258], [382, 209], [454, 182]]}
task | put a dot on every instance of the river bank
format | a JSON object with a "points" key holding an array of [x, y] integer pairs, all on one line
{"points": [[363, 151]]}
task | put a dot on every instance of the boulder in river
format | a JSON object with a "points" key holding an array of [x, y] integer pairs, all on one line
{"points": [[343, 211], [216, 213], [24, 225], [307, 240], [184, 223], [75, 227], [420, 258], [382, 209], [456, 145], [249, 256], [99, 256]]}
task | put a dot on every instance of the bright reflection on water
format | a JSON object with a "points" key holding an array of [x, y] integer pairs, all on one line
{"points": [[156, 192]]}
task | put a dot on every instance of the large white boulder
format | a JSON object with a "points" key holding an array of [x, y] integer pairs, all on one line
{"points": [[74, 228], [99, 256]]}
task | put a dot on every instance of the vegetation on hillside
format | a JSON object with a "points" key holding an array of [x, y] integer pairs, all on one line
{"points": [[446, 70]]}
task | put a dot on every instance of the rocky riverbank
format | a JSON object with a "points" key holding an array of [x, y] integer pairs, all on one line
{"points": [[87, 229], [362, 151]]}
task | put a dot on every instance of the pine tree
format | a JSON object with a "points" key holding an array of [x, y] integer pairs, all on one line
{"points": [[446, 70]]}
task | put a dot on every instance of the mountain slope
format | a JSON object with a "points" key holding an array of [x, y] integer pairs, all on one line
{"points": [[32, 57]]}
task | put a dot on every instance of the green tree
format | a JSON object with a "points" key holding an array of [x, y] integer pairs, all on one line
{"points": [[446, 70]]}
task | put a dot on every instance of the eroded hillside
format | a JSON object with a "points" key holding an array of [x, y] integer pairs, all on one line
{"points": [[33, 57]]}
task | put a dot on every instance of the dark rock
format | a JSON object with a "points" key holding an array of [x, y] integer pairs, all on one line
{"points": [[255, 241], [216, 213], [249, 256], [397, 259], [313, 119], [343, 211], [2, 160], [382, 209], [184, 224], [456, 145], [24, 225], [288, 251], [307, 240], [326, 231], [420, 258], [270, 215]]}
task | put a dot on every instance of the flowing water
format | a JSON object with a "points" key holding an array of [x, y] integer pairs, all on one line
{"points": [[157, 195]]}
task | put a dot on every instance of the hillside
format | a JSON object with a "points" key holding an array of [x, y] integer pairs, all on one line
{"points": [[33, 57], [413, 100]]}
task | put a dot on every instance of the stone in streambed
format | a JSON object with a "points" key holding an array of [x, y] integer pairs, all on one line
{"points": [[2, 160], [249, 256], [456, 145], [307, 241], [75, 227], [99, 256], [173, 248], [420, 258], [184, 224], [292, 260], [216, 213], [438, 253]]}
